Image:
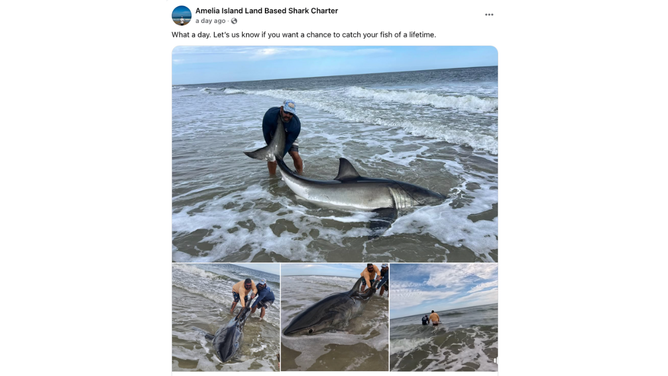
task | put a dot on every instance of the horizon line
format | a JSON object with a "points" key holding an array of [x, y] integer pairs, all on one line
{"points": [[335, 75], [479, 305]]}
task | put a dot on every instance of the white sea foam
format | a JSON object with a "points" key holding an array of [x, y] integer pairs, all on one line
{"points": [[348, 108], [468, 103], [407, 344], [232, 91]]}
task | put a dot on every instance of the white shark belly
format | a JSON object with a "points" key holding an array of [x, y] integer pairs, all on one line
{"points": [[346, 197]]}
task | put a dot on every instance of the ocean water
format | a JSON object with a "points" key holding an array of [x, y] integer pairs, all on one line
{"points": [[202, 297], [362, 346], [466, 340], [437, 129]]}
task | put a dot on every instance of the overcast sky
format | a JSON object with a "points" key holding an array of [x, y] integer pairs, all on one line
{"points": [[268, 268], [210, 64], [418, 288], [341, 270]]}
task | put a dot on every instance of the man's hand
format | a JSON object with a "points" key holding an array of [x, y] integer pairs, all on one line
{"points": [[299, 164]]}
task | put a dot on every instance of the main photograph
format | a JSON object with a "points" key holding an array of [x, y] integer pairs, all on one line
{"points": [[336, 154]]}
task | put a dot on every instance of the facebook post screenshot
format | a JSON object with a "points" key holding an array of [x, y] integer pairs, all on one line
{"points": [[338, 148], [227, 186]]}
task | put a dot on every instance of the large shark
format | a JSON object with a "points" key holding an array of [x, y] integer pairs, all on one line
{"points": [[349, 190], [331, 313], [227, 339]]}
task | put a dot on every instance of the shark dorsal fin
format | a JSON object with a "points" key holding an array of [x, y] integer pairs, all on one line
{"points": [[346, 171]]}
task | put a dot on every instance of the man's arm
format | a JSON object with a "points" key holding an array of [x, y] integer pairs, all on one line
{"points": [[268, 126], [260, 296]]}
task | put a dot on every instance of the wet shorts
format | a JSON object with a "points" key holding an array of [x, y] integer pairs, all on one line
{"points": [[435, 324], [383, 282], [237, 297], [265, 303]]}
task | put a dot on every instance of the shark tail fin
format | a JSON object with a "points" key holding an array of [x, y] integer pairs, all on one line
{"points": [[274, 150], [264, 154]]}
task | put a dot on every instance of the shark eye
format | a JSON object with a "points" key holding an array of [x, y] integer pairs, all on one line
{"points": [[310, 331]]}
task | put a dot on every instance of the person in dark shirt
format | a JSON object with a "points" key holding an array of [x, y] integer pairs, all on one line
{"points": [[287, 114], [265, 298], [384, 283], [425, 320]]}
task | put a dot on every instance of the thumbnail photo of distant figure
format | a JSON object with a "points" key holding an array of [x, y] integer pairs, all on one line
{"points": [[444, 317], [226, 317], [334, 318], [181, 15]]}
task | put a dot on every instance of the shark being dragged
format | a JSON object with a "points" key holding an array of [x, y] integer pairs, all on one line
{"points": [[332, 313], [350, 191], [227, 339]]}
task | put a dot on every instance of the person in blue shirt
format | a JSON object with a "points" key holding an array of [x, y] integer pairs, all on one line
{"points": [[287, 114], [383, 284], [265, 298]]}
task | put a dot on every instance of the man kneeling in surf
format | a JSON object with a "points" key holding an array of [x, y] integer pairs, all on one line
{"points": [[286, 114]]}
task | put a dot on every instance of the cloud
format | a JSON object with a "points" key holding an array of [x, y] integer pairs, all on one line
{"points": [[456, 275], [407, 298], [484, 286], [478, 298]]}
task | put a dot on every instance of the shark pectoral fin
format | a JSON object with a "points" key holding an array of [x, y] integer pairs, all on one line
{"points": [[383, 220], [207, 335]]}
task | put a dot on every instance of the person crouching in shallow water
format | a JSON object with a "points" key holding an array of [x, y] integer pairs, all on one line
{"points": [[425, 320], [434, 318], [369, 273], [286, 114], [384, 283], [240, 293], [265, 298]]}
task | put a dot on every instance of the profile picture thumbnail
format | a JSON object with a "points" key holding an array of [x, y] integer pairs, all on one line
{"points": [[181, 15]]}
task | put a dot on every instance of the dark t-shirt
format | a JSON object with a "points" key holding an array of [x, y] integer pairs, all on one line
{"points": [[270, 122], [264, 294]]}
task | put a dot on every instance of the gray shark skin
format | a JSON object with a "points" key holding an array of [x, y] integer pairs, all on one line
{"points": [[227, 339], [350, 191], [332, 313]]}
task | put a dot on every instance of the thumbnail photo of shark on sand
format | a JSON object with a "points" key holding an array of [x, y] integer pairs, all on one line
{"points": [[334, 154], [339, 322]]}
